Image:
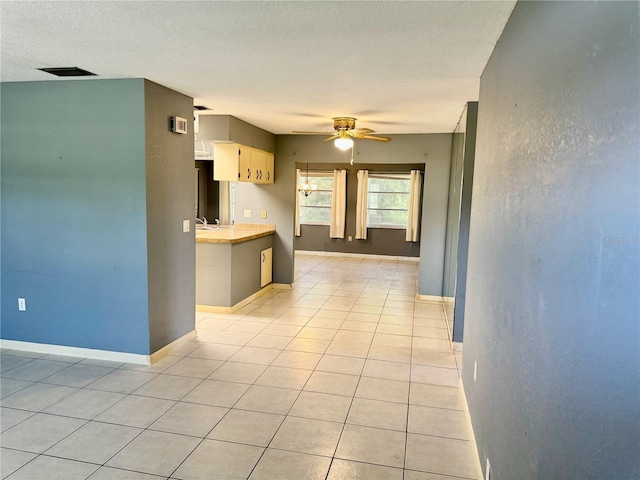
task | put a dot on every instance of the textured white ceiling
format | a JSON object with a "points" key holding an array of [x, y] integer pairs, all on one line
{"points": [[399, 67]]}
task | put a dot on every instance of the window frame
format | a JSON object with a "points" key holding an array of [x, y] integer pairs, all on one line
{"points": [[404, 176]]}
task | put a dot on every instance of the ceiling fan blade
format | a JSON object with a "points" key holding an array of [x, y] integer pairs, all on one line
{"points": [[359, 131], [373, 137], [312, 133], [332, 137]]}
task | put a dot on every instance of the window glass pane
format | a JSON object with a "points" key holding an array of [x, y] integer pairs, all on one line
{"points": [[316, 208], [318, 198], [388, 200], [389, 183], [323, 183], [317, 215], [387, 218]]}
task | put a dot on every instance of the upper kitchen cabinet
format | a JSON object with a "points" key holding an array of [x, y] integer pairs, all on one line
{"points": [[238, 163], [262, 166], [242, 152], [271, 168]]}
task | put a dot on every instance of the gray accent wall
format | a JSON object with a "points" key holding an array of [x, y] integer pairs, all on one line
{"points": [[170, 199], [465, 220], [94, 190], [228, 128], [379, 241], [433, 150], [552, 313]]}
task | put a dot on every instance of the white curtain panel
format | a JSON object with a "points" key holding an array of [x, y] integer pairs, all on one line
{"points": [[225, 203], [361, 205], [297, 231], [338, 204], [413, 220]]}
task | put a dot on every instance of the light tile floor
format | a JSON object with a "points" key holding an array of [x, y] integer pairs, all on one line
{"points": [[346, 376]]}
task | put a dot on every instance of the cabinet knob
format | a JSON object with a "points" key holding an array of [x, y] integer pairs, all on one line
{"points": [[248, 173], [268, 176]]}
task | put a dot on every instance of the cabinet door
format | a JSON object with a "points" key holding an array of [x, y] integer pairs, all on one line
{"points": [[258, 165], [225, 162], [245, 173], [266, 267], [270, 170]]}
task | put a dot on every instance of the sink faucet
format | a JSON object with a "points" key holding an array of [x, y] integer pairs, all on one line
{"points": [[217, 222], [202, 220]]}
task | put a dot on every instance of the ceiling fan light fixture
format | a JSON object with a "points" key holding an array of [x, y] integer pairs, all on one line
{"points": [[343, 142]]}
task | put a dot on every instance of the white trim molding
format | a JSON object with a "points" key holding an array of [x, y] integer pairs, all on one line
{"points": [[239, 305], [167, 349], [111, 356], [356, 255], [45, 348], [429, 298], [472, 436]]}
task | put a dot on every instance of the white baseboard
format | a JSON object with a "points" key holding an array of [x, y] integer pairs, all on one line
{"points": [[124, 357], [167, 349], [472, 435], [239, 305], [45, 348], [356, 255], [429, 298]]}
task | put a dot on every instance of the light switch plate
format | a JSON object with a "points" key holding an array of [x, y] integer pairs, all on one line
{"points": [[247, 214], [186, 226]]}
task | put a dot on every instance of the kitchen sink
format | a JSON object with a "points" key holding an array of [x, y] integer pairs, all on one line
{"points": [[213, 227]]}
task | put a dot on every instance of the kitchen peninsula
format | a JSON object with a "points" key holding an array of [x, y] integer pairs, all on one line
{"points": [[232, 265]]}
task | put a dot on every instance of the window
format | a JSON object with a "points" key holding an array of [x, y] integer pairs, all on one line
{"points": [[388, 200], [316, 208]]}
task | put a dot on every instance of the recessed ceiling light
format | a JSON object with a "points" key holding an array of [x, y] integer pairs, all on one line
{"points": [[68, 72], [200, 107]]}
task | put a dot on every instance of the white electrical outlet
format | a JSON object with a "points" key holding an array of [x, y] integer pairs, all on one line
{"points": [[349, 238], [186, 226], [247, 214], [475, 370], [264, 214], [22, 305], [487, 471]]}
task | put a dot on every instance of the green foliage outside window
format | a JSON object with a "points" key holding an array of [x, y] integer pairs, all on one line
{"points": [[316, 208], [388, 200]]}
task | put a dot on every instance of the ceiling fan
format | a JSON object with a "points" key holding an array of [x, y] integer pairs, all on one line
{"points": [[346, 131]]}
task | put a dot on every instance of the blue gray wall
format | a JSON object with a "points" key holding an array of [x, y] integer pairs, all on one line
{"points": [[434, 150], [74, 214], [552, 314]]}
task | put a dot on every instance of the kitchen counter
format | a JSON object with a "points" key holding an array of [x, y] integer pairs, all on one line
{"points": [[241, 232], [233, 265]]}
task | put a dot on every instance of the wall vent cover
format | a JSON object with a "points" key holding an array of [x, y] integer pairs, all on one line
{"points": [[200, 107], [68, 72]]}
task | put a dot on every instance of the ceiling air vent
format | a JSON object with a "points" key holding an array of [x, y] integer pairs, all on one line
{"points": [[68, 72], [200, 107]]}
